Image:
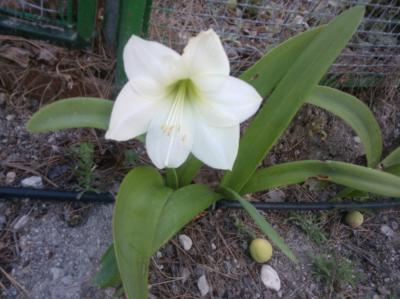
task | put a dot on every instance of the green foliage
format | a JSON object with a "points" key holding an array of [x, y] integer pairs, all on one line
{"points": [[83, 154], [147, 214], [261, 222], [356, 114], [310, 224], [81, 112], [108, 274], [336, 272], [291, 92], [357, 177]]}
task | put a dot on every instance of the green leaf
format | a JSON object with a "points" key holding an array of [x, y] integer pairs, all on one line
{"points": [[356, 114], [138, 207], [289, 95], [266, 73], [188, 170], [72, 113], [392, 159], [262, 223], [108, 274], [354, 176], [147, 214], [171, 178], [183, 205]]}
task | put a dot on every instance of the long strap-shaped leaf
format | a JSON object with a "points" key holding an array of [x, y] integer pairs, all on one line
{"points": [[357, 177], [356, 114], [289, 95], [147, 214], [261, 222], [392, 159], [80, 112], [139, 204]]}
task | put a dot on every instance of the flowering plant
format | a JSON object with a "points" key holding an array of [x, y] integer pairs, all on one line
{"points": [[190, 110]]}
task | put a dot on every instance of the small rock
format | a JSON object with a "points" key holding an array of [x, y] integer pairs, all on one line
{"points": [[32, 182], [56, 272], [10, 117], [159, 254], [67, 280], [21, 222], [3, 221], [185, 274], [270, 278], [10, 177], [213, 246], [357, 139], [387, 231], [383, 290], [203, 286], [395, 225], [186, 242], [276, 195]]}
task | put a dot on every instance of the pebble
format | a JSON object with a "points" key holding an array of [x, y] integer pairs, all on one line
{"points": [[387, 231], [10, 177], [159, 254], [357, 139], [186, 242], [32, 182], [21, 222], [10, 117], [56, 272], [270, 278], [203, 286], [395, 225], [3, 221], [213, 246], [185, 274]]}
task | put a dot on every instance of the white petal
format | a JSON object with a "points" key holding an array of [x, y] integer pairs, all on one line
{"points": [[204, 54], [234, 102], [217, 147], [131, 114], [169, 145], [144, 58]]}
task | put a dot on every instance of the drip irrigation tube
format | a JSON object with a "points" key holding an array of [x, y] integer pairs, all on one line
{"points": [[93, 197]]}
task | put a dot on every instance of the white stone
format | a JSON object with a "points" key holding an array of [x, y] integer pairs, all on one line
{"points": [[213, 246], [203, 286], [186, 242], [185, 274], [21, 222], [10, 177], [270, 278], [386, 230], [56, 272], [357, 139], [32, 182]]}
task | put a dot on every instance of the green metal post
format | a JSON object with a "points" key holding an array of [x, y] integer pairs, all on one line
{"points": [[133, 19], [86, 19]]}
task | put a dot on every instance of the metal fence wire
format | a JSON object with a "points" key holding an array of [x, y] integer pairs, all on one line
{"points": [[51, 12], [248, 28]]}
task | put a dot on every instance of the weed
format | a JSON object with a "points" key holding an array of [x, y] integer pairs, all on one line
{"points": [[83, 153], [311, 225], [335, 271]]}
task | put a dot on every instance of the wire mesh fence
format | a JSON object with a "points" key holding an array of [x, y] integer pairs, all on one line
{"points": [[249, 28], [52, 12]]}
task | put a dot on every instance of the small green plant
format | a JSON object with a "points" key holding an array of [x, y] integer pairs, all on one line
{"points": [[83, 153], [335, 271], [311, 225]]}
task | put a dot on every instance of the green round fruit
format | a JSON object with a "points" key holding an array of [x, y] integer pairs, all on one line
{"points": [[354, 219], [260, 250]]}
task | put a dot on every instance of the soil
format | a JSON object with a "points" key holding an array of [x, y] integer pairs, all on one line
{"points": [[52, 250]]}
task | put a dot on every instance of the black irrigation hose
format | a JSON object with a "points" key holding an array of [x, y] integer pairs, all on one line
{"points": [[93, 197]]}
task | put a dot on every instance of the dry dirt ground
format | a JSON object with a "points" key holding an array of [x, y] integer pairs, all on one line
{"points": [[52, 250]]}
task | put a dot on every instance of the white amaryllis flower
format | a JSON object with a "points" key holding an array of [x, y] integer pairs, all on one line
{"points": [[186, 103]]}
